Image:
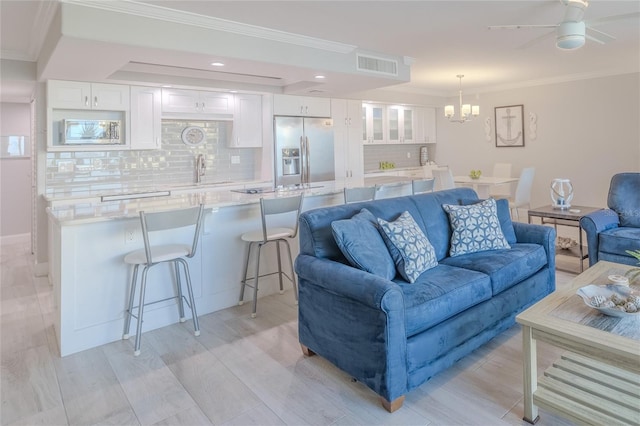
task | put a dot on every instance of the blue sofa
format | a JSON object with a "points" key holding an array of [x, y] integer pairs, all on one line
{"points": [[392, 335], [611, 232]]}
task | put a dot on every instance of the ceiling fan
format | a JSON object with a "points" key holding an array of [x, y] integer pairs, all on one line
{"points": [[572, 31]]}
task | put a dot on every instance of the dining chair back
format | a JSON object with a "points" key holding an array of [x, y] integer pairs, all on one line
{"points": [[443, 179], [503, 190], [522, 196]]}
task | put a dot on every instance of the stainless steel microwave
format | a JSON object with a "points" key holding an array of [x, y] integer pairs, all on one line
{"points": [[92, 132]]}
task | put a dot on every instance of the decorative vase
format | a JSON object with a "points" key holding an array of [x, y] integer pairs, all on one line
{"points": [[561, 193]]}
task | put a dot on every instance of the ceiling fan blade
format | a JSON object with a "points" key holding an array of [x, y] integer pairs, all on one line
{"points": [[519, 27], [536, 40], [600, 35], [608, 19], [592, 38]]}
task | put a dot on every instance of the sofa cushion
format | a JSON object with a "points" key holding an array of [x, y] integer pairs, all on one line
{"points": [[504, 216], [505, 267], [618, 240], [475, 228], [359, 240], [441, 293], [409, 247]]}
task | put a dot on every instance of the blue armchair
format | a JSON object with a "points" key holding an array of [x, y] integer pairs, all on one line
{"points": [[610, 232]]}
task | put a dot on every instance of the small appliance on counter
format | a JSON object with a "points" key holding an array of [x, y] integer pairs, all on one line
{"points": [[424, 155]]}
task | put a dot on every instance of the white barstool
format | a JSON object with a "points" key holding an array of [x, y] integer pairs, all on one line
{"points": [[422, 185], [354, 195], [152, 255], [266, 235]]}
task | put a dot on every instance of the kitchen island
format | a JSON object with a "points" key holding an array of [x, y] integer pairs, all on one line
{"points": [[88, 241]]}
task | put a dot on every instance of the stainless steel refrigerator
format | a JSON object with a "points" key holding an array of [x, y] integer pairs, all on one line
{"points": [[304, 150]]}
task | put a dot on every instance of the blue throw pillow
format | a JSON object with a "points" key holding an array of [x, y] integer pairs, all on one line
{"points": [[504, 216], [359, 240], [411, 250], [475, 228]]}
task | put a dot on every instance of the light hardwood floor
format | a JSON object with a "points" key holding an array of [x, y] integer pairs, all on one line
{"points": [[240, 371]]}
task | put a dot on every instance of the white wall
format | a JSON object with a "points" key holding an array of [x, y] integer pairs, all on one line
{"points": [[15, 174], [587, 131]]}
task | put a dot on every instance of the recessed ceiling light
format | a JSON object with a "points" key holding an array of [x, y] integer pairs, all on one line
{"points": [[217, 64], [167, 85], [233, 91], [320, 77]]}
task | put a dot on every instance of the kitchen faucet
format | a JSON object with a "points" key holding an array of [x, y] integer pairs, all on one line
{"points": [[201, 167]]}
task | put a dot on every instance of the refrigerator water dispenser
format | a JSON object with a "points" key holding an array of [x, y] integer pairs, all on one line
{"points": [[290, 161]]}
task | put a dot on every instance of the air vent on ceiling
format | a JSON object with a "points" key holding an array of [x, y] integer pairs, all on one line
{"points": [[377, 65]]}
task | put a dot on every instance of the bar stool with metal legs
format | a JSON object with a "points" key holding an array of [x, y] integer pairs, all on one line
{"points": [[152, 255], [258, 238]]}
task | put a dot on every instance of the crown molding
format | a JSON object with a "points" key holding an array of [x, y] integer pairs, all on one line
{"points": [[212, 23], [42, 20]]}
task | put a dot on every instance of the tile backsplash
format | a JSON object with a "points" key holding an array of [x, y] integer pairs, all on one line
{"points": [[69, 173], [402, 155]]}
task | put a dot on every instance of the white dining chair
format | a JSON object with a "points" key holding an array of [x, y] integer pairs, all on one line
{"points": [[522, 196], [290, 207], [443, 179], [503, 190], [153, 226]]}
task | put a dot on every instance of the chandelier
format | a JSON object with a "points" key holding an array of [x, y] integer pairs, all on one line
{"points": [[467, 111]]}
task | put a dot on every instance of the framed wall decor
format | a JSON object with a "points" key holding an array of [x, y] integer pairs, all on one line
{"points": [[509, 126]]}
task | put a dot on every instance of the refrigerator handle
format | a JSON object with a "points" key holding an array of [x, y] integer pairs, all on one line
{"points": [[303, 160], [307, 155]]}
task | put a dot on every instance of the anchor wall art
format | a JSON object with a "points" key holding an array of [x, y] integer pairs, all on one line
{"points": [[509, 126]]}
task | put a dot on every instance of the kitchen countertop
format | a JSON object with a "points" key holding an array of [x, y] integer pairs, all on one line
{"points": [[82, 211]]}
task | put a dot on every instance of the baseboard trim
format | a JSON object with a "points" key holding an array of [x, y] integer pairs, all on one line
{"points": [[41, 269]]}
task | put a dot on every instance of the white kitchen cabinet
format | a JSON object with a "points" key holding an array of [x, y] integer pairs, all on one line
{"points": [[400, 124], [247, 122], [304, 106], [85, 96], [374, 126], [194, 101], [425, 125], [146, 118], [347, 129]]}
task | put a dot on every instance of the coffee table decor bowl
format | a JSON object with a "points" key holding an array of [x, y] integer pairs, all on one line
{"points": [[611, 299]]}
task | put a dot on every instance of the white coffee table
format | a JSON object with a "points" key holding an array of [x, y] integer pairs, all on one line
{"points": [[598, 382]]}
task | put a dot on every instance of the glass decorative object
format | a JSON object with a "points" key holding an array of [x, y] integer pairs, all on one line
{"points": [[561, 193]]}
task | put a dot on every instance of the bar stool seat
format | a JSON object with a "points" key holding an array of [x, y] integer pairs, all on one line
{"points": [[267, 235], [152, 255]]}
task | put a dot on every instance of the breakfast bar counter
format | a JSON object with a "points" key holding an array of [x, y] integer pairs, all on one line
{"points": [[88, 242]]}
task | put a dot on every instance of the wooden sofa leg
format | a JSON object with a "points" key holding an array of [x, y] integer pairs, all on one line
{"points": [[393, 405], [306, 351]]}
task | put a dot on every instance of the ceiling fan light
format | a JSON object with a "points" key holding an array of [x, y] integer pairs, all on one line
{"points": [[570, 42]]}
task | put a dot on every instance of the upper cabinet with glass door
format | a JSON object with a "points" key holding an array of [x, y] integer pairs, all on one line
{"points": [[374, 123], [401, 127]]}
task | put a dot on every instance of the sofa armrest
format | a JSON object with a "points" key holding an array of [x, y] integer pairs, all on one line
{"points": [[594, 223], [355, 320], [346, 281], [539, 234]]}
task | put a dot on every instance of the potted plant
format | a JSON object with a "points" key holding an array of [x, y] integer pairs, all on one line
{"points": [[632, 274]]}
